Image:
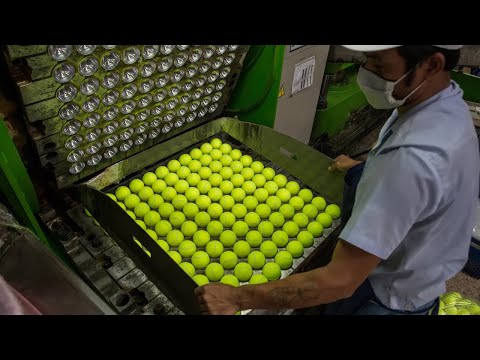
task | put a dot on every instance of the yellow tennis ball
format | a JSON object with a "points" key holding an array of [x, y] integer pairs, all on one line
{"points": [[187, 248], [227, 219], [241, 249], [277, 219], [258, 279], [151, 218], [215, 180], [230, 279], [177, 218], [155, 201], [249, 187], [161, 172], [227, 202], [297, 203], [266, 228], [171, 179], [280, 180], [200, 279], [237, 180], [272, 271], [145, 193], [188, 268], [228, 238], [310, 210], [196, 153], [200, 260], [333, 210], [215, 210], [250, 202], [174, 238], [228, 260], [259, 180], [284, 259], [287, 211], [136, 185], [215, 194], [254, 238], [268, 173], [246, 160], [215, 154], [190, 210], [301, 220], [305, 238], [192, 194], [280, 238], [141, 209], [203, 202], [271, 187], [247, 173], [163, 227], [269, 249], [252, 219], [235, 154], [225, 148], [205, 172], [293, 187], [179, 201], [216, 143], [315, 228], [215, 228], [261, 195], [185, 159], [215, 166], [257, 167], [173, 165], [226, 172], [131, 201], [201, 238], [169, 193], [158, 186], [175, 256], [195, 166], [306, 195], [202, 219], [122, 192], [189, 228], [205, 160], [256, 259], [165, 210], [214, 271], [240, 228], [324, 219], [164, 245], [181, 186], [239, 210], [243, 271], [291, 228], [149, 178], [295, 248], [236, 167], [319, 203], [263, 210], [204, 187], [238, 195], [226, 186], [193, 179], [226, 160]]}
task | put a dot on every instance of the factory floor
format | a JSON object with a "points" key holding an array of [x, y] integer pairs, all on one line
{"points": [[466, 285]]}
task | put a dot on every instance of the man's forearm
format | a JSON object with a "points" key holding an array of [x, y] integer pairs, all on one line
{"points": [[297, 291]]}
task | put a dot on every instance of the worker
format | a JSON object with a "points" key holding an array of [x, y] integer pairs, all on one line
{"points": [[413, 213]]}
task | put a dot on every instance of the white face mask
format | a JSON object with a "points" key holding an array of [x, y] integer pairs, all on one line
{"points": [[379, 92]]}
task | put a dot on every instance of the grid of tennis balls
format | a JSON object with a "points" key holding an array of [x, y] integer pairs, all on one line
{"points": [[224, 217]]}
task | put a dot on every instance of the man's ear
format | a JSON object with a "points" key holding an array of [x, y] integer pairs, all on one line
{"points": [[434, 65]]}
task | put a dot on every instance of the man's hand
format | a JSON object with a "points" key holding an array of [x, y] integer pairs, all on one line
{"points": [[217, 299], [343, 163]]}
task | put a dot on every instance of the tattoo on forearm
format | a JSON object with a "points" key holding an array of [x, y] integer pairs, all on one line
{"points": [[289, 296]]}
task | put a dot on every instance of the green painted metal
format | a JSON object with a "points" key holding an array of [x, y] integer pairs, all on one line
{"points": [[342, 100], [470, 85], [256, 94], [16, 186]]}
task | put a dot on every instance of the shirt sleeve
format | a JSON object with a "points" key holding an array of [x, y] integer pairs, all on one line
{"points": [[397, 189]]}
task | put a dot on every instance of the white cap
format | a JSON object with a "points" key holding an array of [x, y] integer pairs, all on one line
{"points": [[366, 48]]}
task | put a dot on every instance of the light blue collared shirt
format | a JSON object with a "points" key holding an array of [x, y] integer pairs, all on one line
{"points": [[415, 203]]}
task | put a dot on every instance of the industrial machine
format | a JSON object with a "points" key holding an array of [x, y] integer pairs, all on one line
{"points": [[98, 117], [279, 88]]}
